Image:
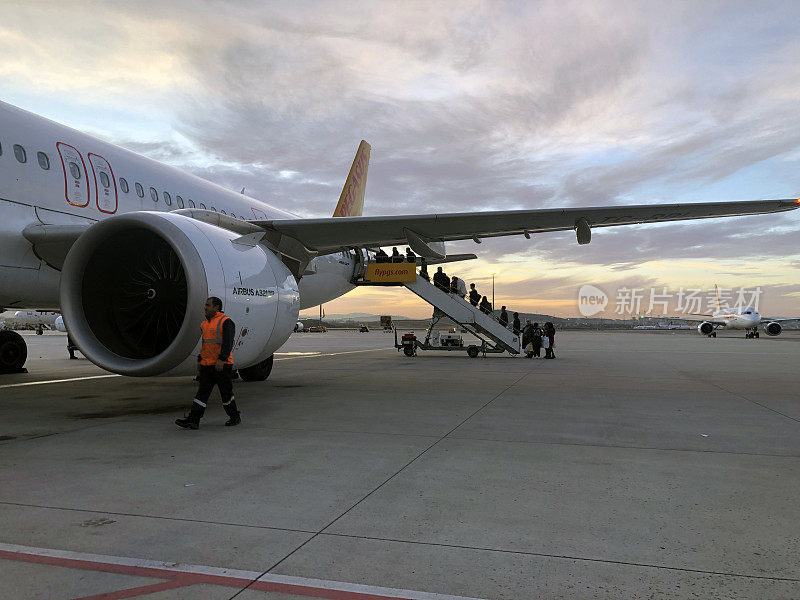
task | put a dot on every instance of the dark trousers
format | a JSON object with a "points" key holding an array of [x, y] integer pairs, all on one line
{"points": [[209, 377]]}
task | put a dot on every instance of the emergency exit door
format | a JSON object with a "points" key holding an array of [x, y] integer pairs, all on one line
{"points": [[76, 180], [105, 186]]}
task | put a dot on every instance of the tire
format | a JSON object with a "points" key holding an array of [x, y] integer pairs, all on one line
{"points": [[472, 352], [408, 350], [13, 352], [756, 334], [258, 372]]}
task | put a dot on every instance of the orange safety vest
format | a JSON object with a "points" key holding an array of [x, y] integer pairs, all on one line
{"points": [[212, 340]]}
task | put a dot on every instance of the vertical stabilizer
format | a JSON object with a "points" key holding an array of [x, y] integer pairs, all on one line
{"points": [[716, 293], [351, 202]]}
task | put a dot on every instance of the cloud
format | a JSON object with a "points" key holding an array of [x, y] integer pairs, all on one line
{"points": [[468, 106]]}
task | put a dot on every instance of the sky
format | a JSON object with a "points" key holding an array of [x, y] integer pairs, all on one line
{"points": [[468, 106]]}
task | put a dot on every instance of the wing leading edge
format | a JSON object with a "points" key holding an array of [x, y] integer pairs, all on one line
{"points": [[329, 235]]}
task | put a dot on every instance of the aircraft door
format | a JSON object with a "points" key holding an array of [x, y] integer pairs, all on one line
{"points": [[105, 186], [76, 181]]}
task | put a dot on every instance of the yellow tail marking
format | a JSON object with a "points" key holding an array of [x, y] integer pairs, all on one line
{"points": [[351, 202]]}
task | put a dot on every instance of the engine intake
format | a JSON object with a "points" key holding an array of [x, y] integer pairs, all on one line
{"points": [[772, 328], [705, 328]]}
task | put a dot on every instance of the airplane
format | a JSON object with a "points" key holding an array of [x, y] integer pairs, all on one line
{"points": [[128, 248], [37, 318], [740, 317]]}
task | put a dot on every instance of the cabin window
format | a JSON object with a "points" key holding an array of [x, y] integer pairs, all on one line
{"points": [[123, 184], [191, 203], [139, 190], [154, 194], [179, 201], [19, 152], [167, 199], [214, 209], [104, 179], [74, 170], [44, 160], [223, 212], [203, 206]]}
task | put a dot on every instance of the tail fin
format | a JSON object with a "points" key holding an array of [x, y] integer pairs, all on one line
{"points": [[351, 202], [716, 293]]}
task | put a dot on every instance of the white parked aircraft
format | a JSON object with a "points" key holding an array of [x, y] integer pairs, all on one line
{"points": [[740, 317], [129, 248], [37, 318]]}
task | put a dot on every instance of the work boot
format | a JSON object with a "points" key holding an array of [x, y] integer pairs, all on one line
{"points": [[234, 420], [192, 420]]}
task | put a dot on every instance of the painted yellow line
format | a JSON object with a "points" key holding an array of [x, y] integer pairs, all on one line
{"points": [[11, 385]]}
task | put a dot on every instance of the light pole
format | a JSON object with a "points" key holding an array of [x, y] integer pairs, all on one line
{"points": [[493, 272]]}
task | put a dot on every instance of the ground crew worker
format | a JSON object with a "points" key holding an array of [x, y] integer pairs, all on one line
{"points": [[214, 366]]}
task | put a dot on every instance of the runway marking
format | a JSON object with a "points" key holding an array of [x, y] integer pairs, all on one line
{"points": [[11, 385], [181, 575], [322, 355]]}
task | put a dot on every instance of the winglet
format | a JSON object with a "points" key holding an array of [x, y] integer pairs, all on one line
{"points": [[351, 202]]}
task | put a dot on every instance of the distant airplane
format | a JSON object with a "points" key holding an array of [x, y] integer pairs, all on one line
{"points": [[740, 317], [128, 248], [35, 318]]}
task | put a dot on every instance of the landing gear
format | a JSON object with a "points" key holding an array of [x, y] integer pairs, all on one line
{"points": [[257, 372], [712, 335], [751, 334], [39, 329], [13, 352]]}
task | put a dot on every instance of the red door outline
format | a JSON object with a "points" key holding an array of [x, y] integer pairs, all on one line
{"points": [[98, 187], [68, 176], [259, 214]]}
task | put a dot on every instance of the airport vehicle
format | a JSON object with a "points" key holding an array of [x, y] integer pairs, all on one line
{"points": [[363, 328], [299, 326], [740, 317], [128, 248]]}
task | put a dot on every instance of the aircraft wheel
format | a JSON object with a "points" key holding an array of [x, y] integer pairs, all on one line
{"points": [[408, 350], [257, 372], [13, 352], [472, 352], [714, 334], [756, 334]]}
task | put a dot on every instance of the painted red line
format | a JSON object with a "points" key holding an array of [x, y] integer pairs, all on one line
{"points": [[194, 578], [139, 591]]}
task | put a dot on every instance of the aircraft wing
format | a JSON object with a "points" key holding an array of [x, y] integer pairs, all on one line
{"points": [[781, 320], [328, 235]]}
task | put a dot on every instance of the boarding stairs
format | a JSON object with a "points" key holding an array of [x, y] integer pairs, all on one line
{"points": [[483, 326]]}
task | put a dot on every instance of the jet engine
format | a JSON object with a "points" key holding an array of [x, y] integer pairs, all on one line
{"points": [[705, 328], [133, 289], [772, 328]]}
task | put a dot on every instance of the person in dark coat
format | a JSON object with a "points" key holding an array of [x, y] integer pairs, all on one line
{"points": [[474, 296], [550, 332], [527, 337], [536, 339], [410, 256], [441, 280], [381, 256], [503, 317], [486, 306], [423, 270], [396, 256], [516, 325]]}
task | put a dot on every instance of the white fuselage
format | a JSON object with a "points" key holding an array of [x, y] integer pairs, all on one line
{"points": [[738, 318], [30, 317], [51, 174]]}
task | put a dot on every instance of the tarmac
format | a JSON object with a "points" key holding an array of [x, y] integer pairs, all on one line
{"points": [[640, 464]]}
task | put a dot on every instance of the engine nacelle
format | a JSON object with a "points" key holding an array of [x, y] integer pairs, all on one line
{"points": [[772, 328], [59, 323], [705, 328], [133, 288]]}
